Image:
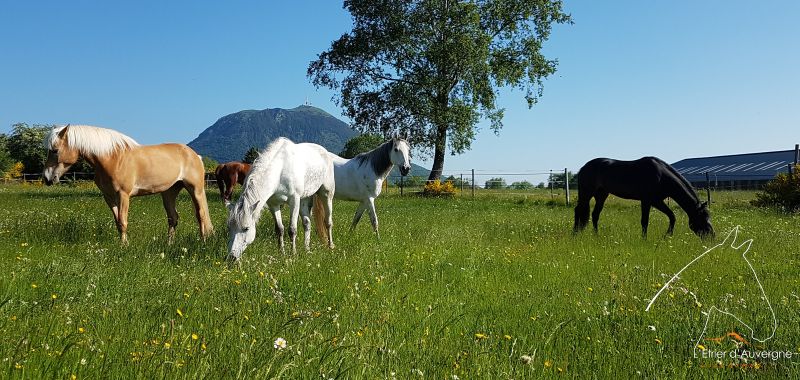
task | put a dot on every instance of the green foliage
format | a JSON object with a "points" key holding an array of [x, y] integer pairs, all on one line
{"points": [[541, 185], [431, 69], [25, 145], [6, 161], [557, 180], [521, 185], [360, 144], [495, 183], [783, 192], [411, 181], [251, 155], [209, 164]]}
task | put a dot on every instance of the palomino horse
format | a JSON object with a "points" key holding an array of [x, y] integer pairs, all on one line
{"points": [[361, 178], [297, 174], [649, 180], [125, 169], [228, 174]]}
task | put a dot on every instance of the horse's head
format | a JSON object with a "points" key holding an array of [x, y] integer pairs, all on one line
{"points": [[60, 156], [700, 222], [401, 155], [241, 228]]}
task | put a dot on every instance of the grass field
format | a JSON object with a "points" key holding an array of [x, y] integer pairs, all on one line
{"points": [[492, 287]]}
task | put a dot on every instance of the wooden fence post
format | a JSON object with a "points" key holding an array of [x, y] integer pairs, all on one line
{"points": [[566, 183], [708, 189]]}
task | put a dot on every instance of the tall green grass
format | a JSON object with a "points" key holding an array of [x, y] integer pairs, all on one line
{"points": [[491, 287]]}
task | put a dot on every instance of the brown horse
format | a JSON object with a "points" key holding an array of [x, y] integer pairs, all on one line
{"points": [[125, 169], [228, 174]]}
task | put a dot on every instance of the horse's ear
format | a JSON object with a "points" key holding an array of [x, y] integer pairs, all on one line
{"points": [[63, 132], [228, 205]]}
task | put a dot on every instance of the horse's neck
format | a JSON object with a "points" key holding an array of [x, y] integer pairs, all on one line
{"points": [[103, 165], [684, 197]]}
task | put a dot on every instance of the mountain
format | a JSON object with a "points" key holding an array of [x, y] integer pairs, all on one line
{"points": [[231, 136]]}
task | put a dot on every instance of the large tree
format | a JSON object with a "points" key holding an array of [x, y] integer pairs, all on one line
{"points": [[25, 144], [430, 69]]}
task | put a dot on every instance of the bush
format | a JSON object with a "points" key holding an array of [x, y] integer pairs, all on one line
{"points": [[783, 192], [437, 189], [495, 183], [15, 171]]}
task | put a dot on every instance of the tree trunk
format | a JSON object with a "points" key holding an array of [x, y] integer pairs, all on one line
{"points": [[438, 154]]}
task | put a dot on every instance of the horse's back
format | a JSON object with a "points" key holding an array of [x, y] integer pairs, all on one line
{"points": [[155, 168], [626, 179]]}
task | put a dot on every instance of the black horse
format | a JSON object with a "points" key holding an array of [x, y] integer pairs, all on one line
{"points": [[649, 180]]}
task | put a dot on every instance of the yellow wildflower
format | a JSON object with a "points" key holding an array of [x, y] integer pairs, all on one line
{"points": [[53, 296], [81, 330], [179, 312], [548, 363], [481, 336], [195, 337]]}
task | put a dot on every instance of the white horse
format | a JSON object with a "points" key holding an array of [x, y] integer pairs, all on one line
{"points": [[361, 178], [297, 174]]}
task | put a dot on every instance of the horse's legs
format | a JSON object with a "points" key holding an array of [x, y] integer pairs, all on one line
{"points": [[373, 216], [359, 211], [328, 206], [221, 185], [231, 183], [305, 211], [276, 215], [660, 206], [200, 208], [294, 210], [168, 197], [599, 201], [113, 205], [122, 221], [645, 217]]}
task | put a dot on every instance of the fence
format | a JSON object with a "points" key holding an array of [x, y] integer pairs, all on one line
{"points": [[478, 180]]}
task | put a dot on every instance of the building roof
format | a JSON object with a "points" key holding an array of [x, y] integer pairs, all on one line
{"points": [[737, 167]]}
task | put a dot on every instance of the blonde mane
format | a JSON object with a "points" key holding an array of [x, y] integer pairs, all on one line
{"points": [[90, 140]]}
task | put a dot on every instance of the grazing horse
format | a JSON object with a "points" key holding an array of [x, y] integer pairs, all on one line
{"points": [[297, 174], [228, 174], [649, 180], [125, 169], [361, 178]]}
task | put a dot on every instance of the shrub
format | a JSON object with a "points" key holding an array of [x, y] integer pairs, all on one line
{"points": [[437, 188], [15, 171], [783, 192]]}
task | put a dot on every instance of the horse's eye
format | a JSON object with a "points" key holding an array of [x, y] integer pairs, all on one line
{"points": [[53, 151], [396, 150], [245, 229]]}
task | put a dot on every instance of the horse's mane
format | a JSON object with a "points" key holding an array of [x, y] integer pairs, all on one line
{"points": [[379, 158], [689, 189], [91, 140], [253, 189]]}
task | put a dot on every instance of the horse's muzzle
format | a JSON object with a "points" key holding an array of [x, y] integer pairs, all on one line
{"points": [[404, 170], [48, 182]]}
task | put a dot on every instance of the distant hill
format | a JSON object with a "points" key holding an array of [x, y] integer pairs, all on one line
{"points": [[232, 135]]}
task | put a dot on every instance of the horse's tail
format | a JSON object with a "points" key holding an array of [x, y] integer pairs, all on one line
{"points": [[320, 218]]}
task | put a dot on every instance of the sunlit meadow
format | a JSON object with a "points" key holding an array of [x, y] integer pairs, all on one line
{"points": [[491, 287]]}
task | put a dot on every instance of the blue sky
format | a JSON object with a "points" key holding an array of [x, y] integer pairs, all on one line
{"points": [[673, 79]]}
